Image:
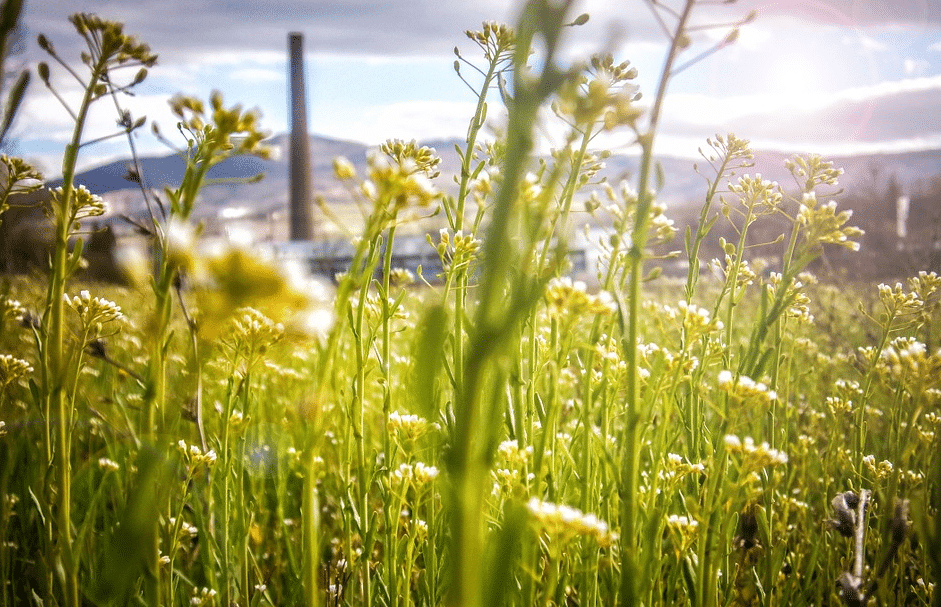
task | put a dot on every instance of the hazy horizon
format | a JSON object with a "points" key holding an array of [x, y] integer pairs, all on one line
{"points": [[836, 77]]}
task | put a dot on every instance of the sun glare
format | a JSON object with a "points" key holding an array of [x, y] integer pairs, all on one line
{"points": [[792, 84]]}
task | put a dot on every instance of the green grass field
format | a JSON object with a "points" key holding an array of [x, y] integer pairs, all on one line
{"points": [[219, 432]]}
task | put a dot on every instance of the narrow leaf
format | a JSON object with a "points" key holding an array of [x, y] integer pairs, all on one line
{"points": [[428, 360], [13, 103]]}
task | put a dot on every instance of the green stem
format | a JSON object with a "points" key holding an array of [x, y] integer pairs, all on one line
{"points": [[469, 467], [732, 282], [789, 270], [311, 517], [226, 463], [566, 197], [692, 274], [708, 551], [496, 318], [386, 366], [359, 420], [7, 465], [630, 466], [460, 295], [155, 394], [387, 333], [54, 327]]}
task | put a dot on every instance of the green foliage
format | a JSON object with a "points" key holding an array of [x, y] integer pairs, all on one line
{"points": [[508, 435], [10, 12]]}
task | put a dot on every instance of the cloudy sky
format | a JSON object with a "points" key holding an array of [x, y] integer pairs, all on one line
{"points": [[828, 76]]}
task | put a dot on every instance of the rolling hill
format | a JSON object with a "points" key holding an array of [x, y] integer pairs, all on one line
{"points": [[682, 185]]}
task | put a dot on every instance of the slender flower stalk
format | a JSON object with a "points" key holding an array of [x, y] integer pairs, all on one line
{"points": [[630, 593], [498, 313], [498, 43], [109, 50], [212, 137]]}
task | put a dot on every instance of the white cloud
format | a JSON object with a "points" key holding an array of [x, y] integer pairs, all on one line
{"points": [[102, 118], [892, 87], [752, 37], [229, 56], [914, 66], [706, 109], [871, 44], [257, 75], [686, 146], [46, 146], [421, 120], [237, 45], [884, 117], [852, 148]]}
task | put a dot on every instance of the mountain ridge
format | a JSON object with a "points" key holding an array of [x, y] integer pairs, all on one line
{"points": [[682, 184]]}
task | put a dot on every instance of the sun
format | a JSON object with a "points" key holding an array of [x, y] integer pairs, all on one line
{"points": [[792, 83]]}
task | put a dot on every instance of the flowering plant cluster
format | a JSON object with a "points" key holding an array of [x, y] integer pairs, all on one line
{"points": [[504, 432]]}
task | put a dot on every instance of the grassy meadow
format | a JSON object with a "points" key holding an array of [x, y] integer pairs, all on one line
{"points": [[225, 431]]}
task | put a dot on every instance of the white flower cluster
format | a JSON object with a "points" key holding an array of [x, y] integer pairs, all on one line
{"points": [[925, 285], [847, 391], [680, 466], [681, 523], [397, 185], [565, 522], [186, 530], [793, 502], [881, 470], [343, 169], [204, 596], [417, 474], [898, 300], [509, 480], [745, 388], [799, 308], [746, 274], [94, 311], [759, 194], [671, 361], [696, 319], [931, 418], [825, 225], [510, 475], [11, 309], [193, 456], [84, 203], [108, 465], [12, 369], [567, 296], [837, 405], [661, 227], [511, 453], [908, 357], [375, 311], [609, 367], [456, 251], [483, 187], [756, 456], [405, 425], [401, 276], [251, 324]]}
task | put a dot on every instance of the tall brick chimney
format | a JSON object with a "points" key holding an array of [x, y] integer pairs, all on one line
{"points": [[302, 227]]}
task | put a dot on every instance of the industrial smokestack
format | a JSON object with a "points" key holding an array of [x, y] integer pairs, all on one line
{"points": [[302, 227]]}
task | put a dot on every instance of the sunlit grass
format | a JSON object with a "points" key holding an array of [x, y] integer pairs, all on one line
{"points": [[231, 433]]}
